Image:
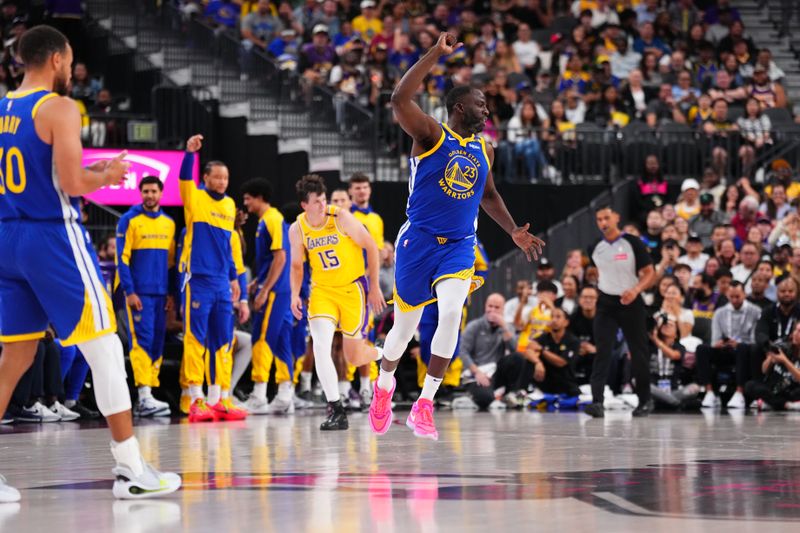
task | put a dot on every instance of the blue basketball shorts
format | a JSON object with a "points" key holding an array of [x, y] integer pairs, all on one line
{"points": [[49, 275]]}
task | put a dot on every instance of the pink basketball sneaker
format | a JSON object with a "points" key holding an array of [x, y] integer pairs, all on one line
{"points": [[420, 419], [380, 411]]}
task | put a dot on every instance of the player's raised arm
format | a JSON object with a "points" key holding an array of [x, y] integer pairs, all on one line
{"points": [[58, 122], [358, 232], [187, 184], [496, 208], [296, 272], [420, 126]]}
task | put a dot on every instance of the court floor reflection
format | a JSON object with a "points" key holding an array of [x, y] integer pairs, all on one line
{"points": [[507, 470]]}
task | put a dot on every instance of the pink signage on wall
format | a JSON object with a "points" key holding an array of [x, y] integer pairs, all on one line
{"points": [[164, 164]]}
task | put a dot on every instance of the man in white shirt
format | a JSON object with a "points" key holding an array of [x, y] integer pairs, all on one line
{"points": [[624, 60], [527, 49], [603, 14], [694, 257], [748, 257]]}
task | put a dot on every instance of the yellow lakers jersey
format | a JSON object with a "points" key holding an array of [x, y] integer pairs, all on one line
{"points": [[335, 259]]}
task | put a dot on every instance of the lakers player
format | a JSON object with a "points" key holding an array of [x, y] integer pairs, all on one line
{"points": [[42, 178], [334, 241], [450, 179]]}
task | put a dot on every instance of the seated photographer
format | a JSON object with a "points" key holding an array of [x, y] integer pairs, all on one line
{"points": [[732, 330], [666, 356], [549, 359], [776, 323], [672, 309], [780, 387]]}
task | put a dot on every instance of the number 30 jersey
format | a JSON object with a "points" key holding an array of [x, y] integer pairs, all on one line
{"points": [[335, 259], [29, 188]]}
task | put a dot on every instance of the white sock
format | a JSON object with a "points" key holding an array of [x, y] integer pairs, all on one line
{"points": [[145, 392], [127, 453], [305, 381], [385, 379], [195, 391], [260, 391], [344, 388], [214, 394], [69, 404], [226, 393], [378, 353], [286, 391], [366, 385], [430, 387]]}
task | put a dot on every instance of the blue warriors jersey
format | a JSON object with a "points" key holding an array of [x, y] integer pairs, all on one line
{"points": [[207, 249], [145, 252], [446, 186], [272, 234], [29, 188], [49, 274]]}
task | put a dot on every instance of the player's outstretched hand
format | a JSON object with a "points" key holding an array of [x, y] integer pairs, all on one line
{"points": [[297, 307], [528, 243], [447, 43], [194, 144], [116, 169], [376, 300]]}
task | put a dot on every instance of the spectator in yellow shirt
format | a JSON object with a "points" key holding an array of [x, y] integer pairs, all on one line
{"points": [[783, 174], [538, 321], [367, 24]]}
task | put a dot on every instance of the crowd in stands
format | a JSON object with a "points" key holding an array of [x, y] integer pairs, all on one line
{"points": [[723, 314], [546, 66], [92, 98]]}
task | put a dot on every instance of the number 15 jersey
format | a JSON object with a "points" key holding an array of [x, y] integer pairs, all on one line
{"points": [[335, 259]]}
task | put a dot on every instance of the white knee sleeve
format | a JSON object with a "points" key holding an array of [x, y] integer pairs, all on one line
{"points": [[451, 294], [241, 357], [403, 329], [322, 331], [107, 362]]}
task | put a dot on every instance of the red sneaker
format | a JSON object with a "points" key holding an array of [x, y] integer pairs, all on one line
{"points": [[201, 412], [225, 410]]}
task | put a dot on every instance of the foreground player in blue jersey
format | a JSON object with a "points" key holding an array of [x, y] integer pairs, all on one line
{"points": [[48, 269], [450, 179]]}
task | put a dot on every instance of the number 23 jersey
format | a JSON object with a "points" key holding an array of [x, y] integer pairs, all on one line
{"points": [[446, 186], [335, 259]]}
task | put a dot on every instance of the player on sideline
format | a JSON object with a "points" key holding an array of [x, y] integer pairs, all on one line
{"points": [[334, 240], [145, 271], [212, 257], [450, 179], [59, 284], [272, 317]]}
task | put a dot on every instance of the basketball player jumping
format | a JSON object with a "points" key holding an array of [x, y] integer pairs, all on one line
{"points": [[61, 283], [450, 178]]}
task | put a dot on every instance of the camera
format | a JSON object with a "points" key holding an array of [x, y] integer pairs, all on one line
{"points": [[780, 345]]}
